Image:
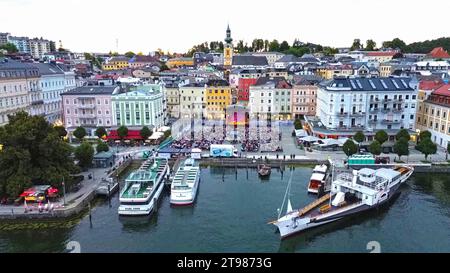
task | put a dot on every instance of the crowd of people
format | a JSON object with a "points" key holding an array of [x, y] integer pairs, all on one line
{"points": [[254, 139]]}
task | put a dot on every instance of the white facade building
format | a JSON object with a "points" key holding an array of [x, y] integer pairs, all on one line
{"points": [[367, 103]]}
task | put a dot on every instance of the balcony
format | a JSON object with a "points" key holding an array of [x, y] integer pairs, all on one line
{"points": [[387, 100], [86, 106], [341, 114], [350, 128], [386, 110], [374, 110], [397, 110], [373, 121], [386, 121], [87, 116], [37, 102], [357, 114], [374, 100]]}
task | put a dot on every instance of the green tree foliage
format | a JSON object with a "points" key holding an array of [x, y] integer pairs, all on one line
{"points": [[145, 132], [403, 134], [370, 45], [274, 45], [381, 136], [284, 46], [356, 45], [424, 134], [100, 132], [428, 45], [349, 147], [298, 124], [395, 43], [359, 136], [102, 147], [401, 147], [375, 148], [129, 54], [297, 51], [427, 147], [9, 47], [33, 153], [62, 132], [80, 133], [167, 134], [84, 154], [122, 132]]}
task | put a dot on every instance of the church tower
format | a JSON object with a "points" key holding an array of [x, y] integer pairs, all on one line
{"points": [[228, 49]]}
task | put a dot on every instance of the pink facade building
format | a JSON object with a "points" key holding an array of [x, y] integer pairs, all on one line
{"points": [[304, 98], [89, 107]]}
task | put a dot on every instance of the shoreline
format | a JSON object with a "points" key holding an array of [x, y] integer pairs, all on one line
{"points": [[80, 207]]}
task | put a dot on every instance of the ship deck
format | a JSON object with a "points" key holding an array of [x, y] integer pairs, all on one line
{"points": [[146, 175]]}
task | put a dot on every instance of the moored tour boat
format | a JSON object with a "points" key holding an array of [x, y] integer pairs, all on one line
{"points": [[317, 179], [351, 193], [185, 183], [264, 170], [143, 188]]}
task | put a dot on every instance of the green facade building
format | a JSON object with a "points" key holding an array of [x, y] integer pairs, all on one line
{"points": [[142, 105]]}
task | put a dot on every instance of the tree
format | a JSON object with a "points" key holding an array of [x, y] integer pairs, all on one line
{"points": [[62, 132], [100, 132], [359, 137], [129, 54], [401, 147], [395, 43], [375, 148], [284, 46], [167, 134], [350, 148], [298, 124], [381, 136], [145, 132], [102, 147], [403, 134], [33, 152], [122, 132], [356, 45], [274, 46], [427, 147], [9, 47], [163, 67], [84, 154], [424, 134], [240, 46], [370, 45], [80, 133]]}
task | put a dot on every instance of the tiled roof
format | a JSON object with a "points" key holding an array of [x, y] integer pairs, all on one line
{"points": [[439, 53], [444, 90], [249, 60], [91, 90], [368, 84], [430, 84], [381, 53]]}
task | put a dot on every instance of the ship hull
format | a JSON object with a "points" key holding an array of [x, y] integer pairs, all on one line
{"points": [[292, 225], [184, 199], [142, 210]]}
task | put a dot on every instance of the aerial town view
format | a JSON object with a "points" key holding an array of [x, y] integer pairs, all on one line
{"points": [[171, 128]]}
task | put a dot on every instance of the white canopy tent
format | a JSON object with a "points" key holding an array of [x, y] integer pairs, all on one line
{"points": [[156, 135], [329, 142], [309, 139]]}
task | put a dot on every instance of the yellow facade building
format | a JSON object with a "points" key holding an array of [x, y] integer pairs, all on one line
{"points": [[177, 62], [116, 63], [218, 95]]}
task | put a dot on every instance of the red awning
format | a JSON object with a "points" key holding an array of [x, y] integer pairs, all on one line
{"points": [[132, 134]]}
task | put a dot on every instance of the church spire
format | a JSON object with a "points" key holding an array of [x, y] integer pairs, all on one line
{"points": [[228, 38]]}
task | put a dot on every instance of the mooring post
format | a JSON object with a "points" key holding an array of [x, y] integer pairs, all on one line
{"points": [[90, 215]]}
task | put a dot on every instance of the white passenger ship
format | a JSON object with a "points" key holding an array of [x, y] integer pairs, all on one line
{"points": [[185, 183], [351, 193], [143, 188]]}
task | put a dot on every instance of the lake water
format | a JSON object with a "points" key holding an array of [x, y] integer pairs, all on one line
{"points": [[231, 215]]}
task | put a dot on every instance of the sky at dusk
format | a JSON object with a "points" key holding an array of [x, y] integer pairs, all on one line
{"points": [[177, 25]]}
